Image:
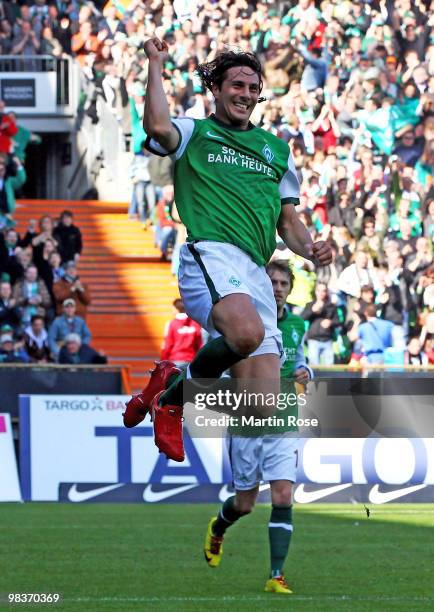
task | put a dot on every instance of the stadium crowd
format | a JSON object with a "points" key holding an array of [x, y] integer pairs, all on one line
{"points": [[42, 299], [349, 85]]}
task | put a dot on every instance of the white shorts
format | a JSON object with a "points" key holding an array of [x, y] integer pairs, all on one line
{"points": [[208, 271], [270, 457]]}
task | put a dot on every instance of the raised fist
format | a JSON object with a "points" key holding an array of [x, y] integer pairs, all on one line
{"points": [[156, 49]]}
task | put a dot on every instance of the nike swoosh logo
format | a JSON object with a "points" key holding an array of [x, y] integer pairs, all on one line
{"points": [[81, 496], [307, 497], [381, 497], [224, 493], [155, 496], [211, 135]]}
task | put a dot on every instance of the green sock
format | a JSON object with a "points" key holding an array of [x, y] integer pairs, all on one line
{"points": [[226, 517], [279, 532], [210, 362]]}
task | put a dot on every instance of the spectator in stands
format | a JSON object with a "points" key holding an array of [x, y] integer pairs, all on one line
{"points": [[425, 290], [418, 262], [315, 70], [75, 352], [375, 336], [11, 352], [22, 139], [71, 287], [68, 236], [353, 277], [8, 185], [39, 11], [321, 314], [62, 30], [405, 239], [401, 215], [424, 168], [414, 355], [397, 276], [57, 270], [26, 41], [9, 312], [367, 296], [371, 240], [166, 227], [161, 173], [390, 306], [143, 197], [410, 148], [374, 87], [182, 337], [30, 233], [343, 213], [67, 323], [85, 42], [5, 36], [36, 340], [31, 295], [41, 261], [111, 23], [22, 260], [8, 129], [51, 270], [46, 228], [9, 244], [345, 247], [49, 44]]}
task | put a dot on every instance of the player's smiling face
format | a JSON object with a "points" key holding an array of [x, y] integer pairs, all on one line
{"points": [[238, 96]]}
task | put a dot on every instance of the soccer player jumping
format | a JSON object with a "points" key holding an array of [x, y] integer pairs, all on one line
{"points": [[234, 184]]}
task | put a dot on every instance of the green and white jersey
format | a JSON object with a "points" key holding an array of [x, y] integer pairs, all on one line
{"points": [[230, 183], [292, 328]]}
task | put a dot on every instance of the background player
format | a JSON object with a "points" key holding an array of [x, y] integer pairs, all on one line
{"points": [[271, 456], [234, 183]]}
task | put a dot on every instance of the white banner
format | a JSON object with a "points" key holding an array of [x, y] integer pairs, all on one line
{"points": [[81, 439], [9, 482], [29, 92]]}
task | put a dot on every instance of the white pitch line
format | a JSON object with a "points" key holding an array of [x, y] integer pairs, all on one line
{"points": [[245, 598], [373, 507]]}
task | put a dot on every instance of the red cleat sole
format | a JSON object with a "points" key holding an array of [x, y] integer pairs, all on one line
{"points": [[168, 429], [139, 405]]}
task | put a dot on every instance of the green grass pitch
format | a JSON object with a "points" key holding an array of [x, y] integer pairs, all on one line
{"points": [[149, 557]]}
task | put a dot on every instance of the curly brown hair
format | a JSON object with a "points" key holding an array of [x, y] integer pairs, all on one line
{"points": [[213, 73]]}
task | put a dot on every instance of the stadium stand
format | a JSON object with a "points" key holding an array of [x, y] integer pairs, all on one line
{"points": [[132, 289], [350, 86]]}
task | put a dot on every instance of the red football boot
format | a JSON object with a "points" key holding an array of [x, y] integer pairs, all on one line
{"points": [[139, 405], [168, 429]]}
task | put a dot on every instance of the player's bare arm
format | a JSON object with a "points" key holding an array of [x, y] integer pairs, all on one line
{"points": [[297, 238], [156, 117]]}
